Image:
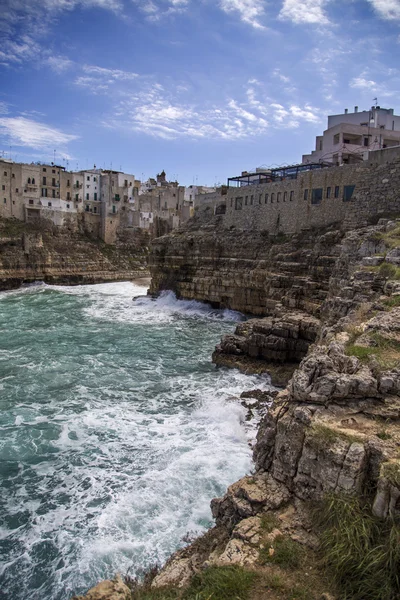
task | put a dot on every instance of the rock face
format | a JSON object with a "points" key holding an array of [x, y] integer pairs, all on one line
{"points": [[254, 274], [114, 589], [41, 252], [336, 426]]}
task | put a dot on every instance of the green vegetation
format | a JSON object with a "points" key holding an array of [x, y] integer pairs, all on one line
{"points": [[221, 583], [269, 522], [391, 470], [393, 301], [321, 436], [384, 349], [286, 553], [215, 583], [389, 271], [383, 435], [361, 552]]}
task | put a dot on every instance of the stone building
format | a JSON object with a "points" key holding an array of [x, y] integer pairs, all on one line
{"points": [[349, 135], [294, 199]]}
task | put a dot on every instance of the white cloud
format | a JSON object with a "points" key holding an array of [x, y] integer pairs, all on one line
{"points": [[250, 11], [21, 131], [277, 73], [303, 12], [99, 79], [59, 64], [387, 9], [161, 113], [364, 84]]}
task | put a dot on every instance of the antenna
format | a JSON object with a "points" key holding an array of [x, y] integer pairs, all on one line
{"points": [[376, 101]]}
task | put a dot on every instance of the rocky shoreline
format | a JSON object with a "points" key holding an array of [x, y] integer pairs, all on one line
{"points": [[333, 433], [40, 252]]}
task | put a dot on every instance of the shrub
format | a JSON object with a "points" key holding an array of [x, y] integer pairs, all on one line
{"points": [[388, 270], [269, 522], [393, 301], [361, 552]]}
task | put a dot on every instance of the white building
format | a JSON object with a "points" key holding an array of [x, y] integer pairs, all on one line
{"points": [[349, 135]]}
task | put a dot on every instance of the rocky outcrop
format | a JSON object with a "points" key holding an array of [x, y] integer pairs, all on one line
{"points": [[41, 252], [114, 589], [273, 344]]}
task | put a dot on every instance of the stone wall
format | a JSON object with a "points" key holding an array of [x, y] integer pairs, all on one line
{"points": [[288, 206]]}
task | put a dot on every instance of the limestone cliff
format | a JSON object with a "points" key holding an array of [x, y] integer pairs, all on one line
{"points": [[332, 433], [42, 252]]}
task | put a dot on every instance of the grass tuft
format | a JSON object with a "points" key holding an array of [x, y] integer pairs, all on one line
{"points": [[221, 583], [269, 522], [392, 301], [361, 552], [285, 552]]}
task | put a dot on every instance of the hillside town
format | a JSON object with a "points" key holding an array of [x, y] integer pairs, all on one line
{"points": [[105, 202]]}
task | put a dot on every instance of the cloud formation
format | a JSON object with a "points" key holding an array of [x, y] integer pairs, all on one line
{"points": [[387, 9], [21, 131], [249, 11], [303, 12], [160, 113]]}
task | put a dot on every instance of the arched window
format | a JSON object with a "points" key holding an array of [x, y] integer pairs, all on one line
{"points": [[29, 179], [33, 180]]}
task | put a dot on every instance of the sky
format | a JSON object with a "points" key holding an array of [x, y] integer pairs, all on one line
{"points": [[201, 88]]}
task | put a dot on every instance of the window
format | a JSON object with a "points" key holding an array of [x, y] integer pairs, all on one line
{"points": [[87, 187], [88, 178], [278, 197], [76, 197], [30, 201], [316, 195], [33, 180], [53, 171], [365, 141], [67, 205], [5, 173], [77, 183], [328, 192], [284, 196], [260, 199], [16, 190], [114, 209], [305, 194], [44, 192], [291, 196], [53, 193], [251, 200], [272, 197], [53, 182], [44, 169], [95, 209], [3, 187], [231, 202], [29, 179], [13, 175], [68, 184], [87, 208], [238, 203], [246, 200], [5, 200], [337, 190], [266, 198], [126, 183], [68, 196], [94, 178], [44, 181], [348, 192], [87, 196], [49, 204], [95, 195]]}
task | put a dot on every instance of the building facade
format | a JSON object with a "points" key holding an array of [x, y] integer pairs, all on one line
{"points": [[349, 135]]}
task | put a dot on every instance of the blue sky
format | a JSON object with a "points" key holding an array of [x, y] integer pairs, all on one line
{"points": [[201, 88]]}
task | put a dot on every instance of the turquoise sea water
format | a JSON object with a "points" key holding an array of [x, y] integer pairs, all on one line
{"points": [[115, 432]]}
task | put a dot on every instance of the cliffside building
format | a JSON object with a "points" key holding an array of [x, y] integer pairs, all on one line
{"points": [[349, 135]]}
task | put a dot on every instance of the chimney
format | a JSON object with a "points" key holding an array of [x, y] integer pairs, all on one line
{"points": [[356, 109], [346, 110]]}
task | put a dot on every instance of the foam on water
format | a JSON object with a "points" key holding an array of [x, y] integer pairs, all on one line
{"points": [[115, 432]]}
